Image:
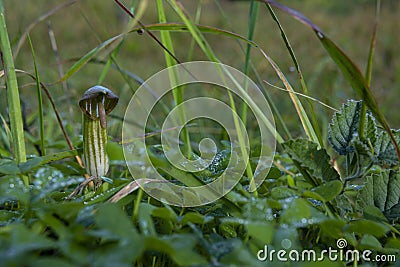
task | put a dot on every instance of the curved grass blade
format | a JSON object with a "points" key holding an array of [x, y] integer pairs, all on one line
{"points": [[349, 69], [296, 102], [313, 118], [181, 27], [86, 58]]}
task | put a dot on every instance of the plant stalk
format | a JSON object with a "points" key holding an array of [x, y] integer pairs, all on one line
{"points": [[14, 105]]}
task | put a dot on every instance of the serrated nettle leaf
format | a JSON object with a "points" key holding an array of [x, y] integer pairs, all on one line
{"points": [[315, 160], [385, 152], [344, 126], [371, 130], [382, 190]]}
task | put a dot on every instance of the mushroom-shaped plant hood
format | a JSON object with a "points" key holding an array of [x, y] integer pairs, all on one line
{"points": [[98, 101]]}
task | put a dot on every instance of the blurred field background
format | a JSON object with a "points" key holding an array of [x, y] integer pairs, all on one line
{"points": [[85, 24]]}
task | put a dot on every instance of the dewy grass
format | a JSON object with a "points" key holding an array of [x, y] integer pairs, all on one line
{"points": [[14, 106]]}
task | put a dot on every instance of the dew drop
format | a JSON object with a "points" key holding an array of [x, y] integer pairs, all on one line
{"points": [[320, 35]]}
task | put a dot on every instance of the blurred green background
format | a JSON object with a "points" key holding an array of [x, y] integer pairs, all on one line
{"points": [[85, 24]]}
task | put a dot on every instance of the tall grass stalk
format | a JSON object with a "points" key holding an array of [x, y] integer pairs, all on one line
{"points": [[254, 7], [173, 76], [14, 105]]}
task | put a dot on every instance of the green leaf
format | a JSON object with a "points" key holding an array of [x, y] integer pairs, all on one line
{"points": [[38, 161], [370, 242], [367, 227], [385, 152], [328, 191], [299, 213], [121, 244], [315, 160], [261, 231], [344, 126], [196, 218], [9, 167], [179, 247], [381, 190]]}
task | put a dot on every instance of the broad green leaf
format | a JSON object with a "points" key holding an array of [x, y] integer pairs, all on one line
{"points": [[145, 221], [9, 167], [370, 242], [344, 126], [299, 213], [282, 192], [166, 213], [122, 245], [333, 227], [35, 162], [196, 218], [366, 227], [382, 190], [261, 231], [178, 247], [315, 160], [328, 191], [385, 152]]}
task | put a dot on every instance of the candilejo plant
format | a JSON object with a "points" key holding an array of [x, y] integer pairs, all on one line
{"points": [[96, 103]]}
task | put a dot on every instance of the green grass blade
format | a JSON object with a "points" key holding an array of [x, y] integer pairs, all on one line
{"points": [[181, 27], [368, 71], [314, 120], [307, 126], [206, 48], [86, 58], [40, 100], [254, 7], [349, 69], [173, 75], [14, 106]]}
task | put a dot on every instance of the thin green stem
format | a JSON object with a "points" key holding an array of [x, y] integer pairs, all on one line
{"points": [[135, 214], [40, 99], [254, 7], [173, 75], [368, 71]]}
